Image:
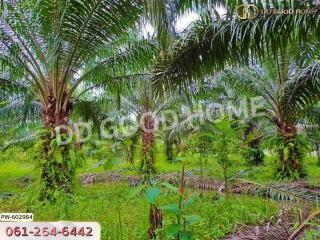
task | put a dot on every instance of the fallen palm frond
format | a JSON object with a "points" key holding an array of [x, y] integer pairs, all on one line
{"points": [[191, 180], [280, 230], [101, 177], [296, 192], [302, 189], [282, 193]]}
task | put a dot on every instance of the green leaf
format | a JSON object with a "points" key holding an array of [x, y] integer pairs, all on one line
{"points": [[172, 230], [56, 194], [172, 208], [152, 194], [128, 142], [190, 219], [136, 191], [170, 187], [96, 165], [187, 203], [110, 163], [184, 235]]}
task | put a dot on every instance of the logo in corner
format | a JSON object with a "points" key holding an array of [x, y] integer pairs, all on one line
{"points": [[247, 11]]}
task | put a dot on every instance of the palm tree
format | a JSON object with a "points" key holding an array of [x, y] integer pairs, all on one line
{"points": [[288, 89], [213, 43], [253, 135], [146, 109], [57, 45]]}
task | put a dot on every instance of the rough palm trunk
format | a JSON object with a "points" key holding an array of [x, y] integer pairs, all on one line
{"points": [[147, 164], [155, 214], [289, 154], [257, 153], [169, 150], [56, 170], [130, 154]]}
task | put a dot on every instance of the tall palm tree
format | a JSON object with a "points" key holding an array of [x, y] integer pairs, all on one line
{"points": [[213, 43], [56, 46], [146, 108], [288, 90]]}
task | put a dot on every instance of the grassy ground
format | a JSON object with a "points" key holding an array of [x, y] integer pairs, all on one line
{"points": [[124, 218], [104, 203]]}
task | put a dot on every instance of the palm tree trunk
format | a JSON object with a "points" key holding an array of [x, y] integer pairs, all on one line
{"points": [[56, 170], [289, 154], [169, 150], [257, 153], [147, 164]]}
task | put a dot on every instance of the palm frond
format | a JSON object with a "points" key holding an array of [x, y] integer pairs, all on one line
{"points": [[211, 45], [54, 42], [302, 91], [115, 64], [162, 16], [30, 137]]}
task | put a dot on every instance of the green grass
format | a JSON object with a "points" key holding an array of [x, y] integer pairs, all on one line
{"points": [[313, 171], [104, 203], [99, 203], [14, 164]]}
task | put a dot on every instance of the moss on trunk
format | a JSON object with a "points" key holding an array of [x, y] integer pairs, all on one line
{"points": [[290, 156], [55, 164]]}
